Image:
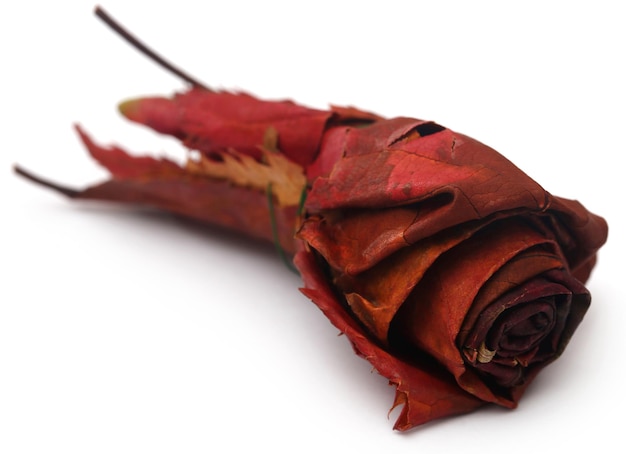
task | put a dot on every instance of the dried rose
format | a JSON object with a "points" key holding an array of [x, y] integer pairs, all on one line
{"points": [[457, 276], [450, 258]]}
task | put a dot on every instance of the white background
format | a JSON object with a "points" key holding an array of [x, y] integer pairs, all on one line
{"points": [[126, 332]]}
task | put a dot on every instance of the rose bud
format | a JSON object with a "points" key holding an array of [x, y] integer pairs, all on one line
{"points": [[450, 270]]}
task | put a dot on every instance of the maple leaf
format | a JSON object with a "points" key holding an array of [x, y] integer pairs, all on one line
{"points": [[284, 178]]}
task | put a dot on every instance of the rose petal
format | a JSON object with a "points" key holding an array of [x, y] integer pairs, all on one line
{"points": [[376, 294], [458, 178], [562, 302], [433, 316], [355, 240], [426, 392]]}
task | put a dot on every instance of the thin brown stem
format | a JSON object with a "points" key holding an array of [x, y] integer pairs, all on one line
{"points": [[144, 49], [48, 184]]}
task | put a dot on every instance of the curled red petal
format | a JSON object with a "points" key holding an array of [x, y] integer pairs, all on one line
{"points": [[425, 391], [429, 179]]}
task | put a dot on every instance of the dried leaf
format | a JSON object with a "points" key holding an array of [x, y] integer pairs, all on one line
{"points": [[285, 178]]}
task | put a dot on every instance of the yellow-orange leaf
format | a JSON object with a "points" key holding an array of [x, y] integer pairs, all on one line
{"points": [[283, 177]]}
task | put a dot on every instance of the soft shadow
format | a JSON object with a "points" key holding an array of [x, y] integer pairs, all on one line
{"points": [[238, 242]]}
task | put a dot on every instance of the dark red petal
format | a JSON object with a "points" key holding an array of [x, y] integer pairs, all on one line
{"points": [[446, 178], [433, 316], [426, 392]]}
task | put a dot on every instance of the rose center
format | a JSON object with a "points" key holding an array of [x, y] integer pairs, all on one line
{"points": [[513, 338], [520, 330]]}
